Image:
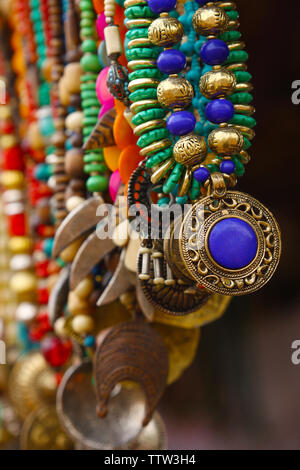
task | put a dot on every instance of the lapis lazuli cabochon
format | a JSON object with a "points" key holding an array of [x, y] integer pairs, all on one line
{"points": [[232, 243]]}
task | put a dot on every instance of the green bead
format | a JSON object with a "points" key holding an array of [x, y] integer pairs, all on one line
{"points": [[88, 94], [87, 33], [195, 190], [89, 45], [242, 120], [239, 167], [143, 53], [159, 157], [90, 63], [93, 157], [86, 5], [247, 143], [242, 76], [241, 98], [90, 121], [88, 14], [146, 73], [146, 94], [98, 167], [137, 33], [91, 112], [173, 179], [148, 115], [213, 168], [139, 12], [232, 15], [237, 56], [230, 36], [97, 183], [86, 23], [89, 77], [90, 102], [152, 136], [60, 262]]}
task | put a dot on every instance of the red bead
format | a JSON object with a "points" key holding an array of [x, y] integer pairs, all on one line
{"points": [[42, 295], [36, 333], [13, 159], [55, 350], [17, 225], [42, 268]]}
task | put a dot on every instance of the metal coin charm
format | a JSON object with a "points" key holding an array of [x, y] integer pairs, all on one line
{"points": [[77, 410], [131, 351], [230, 244]]}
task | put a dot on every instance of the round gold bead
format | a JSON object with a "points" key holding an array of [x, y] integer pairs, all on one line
{"points": [[226, 141], [165, 31], [190, 150], [217, 83], [210, 21], [175, 92]]}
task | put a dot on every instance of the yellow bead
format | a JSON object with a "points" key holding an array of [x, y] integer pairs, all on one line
{"points": [[23, 283], [20, 245], [34, 136], [165, 31], [190, 150], [5, 112], [210, 21], [217, 83], [175, 92], [68, 254], [8, 141], [12, 179], [226, 141], [72, 74], [60, 327], [73, 202], [82, 324], [76, 305], [84, 288]]}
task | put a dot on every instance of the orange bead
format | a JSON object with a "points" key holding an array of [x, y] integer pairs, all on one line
{"points": [[119, 107], [129, 159], [112, 156], [123, 133], [99, 6]]}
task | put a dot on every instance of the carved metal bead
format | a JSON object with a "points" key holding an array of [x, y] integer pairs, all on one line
{"points": [[226, 141], [175, 92], [190, 150], [165, 31], [210, 21], [117, 82], [217, 83]]}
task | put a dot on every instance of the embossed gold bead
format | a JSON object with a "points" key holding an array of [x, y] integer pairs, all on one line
{"points": [[226, 141], [190, 150], [210, 21], [217, 83], [175, 92], [165, 31]]}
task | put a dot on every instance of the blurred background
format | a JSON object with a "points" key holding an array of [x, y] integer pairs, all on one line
{"points": [[243, 392]]}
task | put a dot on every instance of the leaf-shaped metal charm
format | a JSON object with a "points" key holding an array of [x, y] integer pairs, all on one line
{"points": [[91, 252], [102, 134], [59, 295], [121, 281], [82, 219], [131, 351]]}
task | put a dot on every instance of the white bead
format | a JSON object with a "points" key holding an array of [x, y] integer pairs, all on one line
{"points": [[73, 202], [26, 312], [21, 262], [60, 327]]}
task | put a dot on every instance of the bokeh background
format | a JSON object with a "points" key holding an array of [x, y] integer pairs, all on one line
{"points": [[243, 392]]}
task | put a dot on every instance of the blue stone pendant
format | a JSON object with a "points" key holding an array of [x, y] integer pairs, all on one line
{"points": [[230, 243]]}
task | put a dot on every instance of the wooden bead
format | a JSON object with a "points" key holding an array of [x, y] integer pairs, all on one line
{"points": [[74, 121], [82, 324], [85, 288], [74, 163], [72, 74], [64, 95]]}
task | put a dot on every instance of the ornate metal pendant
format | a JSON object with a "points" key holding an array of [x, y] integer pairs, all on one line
{"points": [[229, 244]]}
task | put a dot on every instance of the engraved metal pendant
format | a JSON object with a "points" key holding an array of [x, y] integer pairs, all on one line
{"points": [[229, 243]]}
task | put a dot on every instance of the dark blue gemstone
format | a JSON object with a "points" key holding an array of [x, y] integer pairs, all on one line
{"points": [[214, 52], [201, 174], [159, 6], [181, 123], [227, 166], [171, 61], [218, 111], [232, 243]]}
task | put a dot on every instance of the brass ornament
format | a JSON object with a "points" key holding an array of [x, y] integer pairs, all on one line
{"points": [[77, 411], [42, 431], [210, 20], [175, 92], [134, 352], [194, 244], [225, 141], [190, 150], [165, 31], [217, 83]]}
